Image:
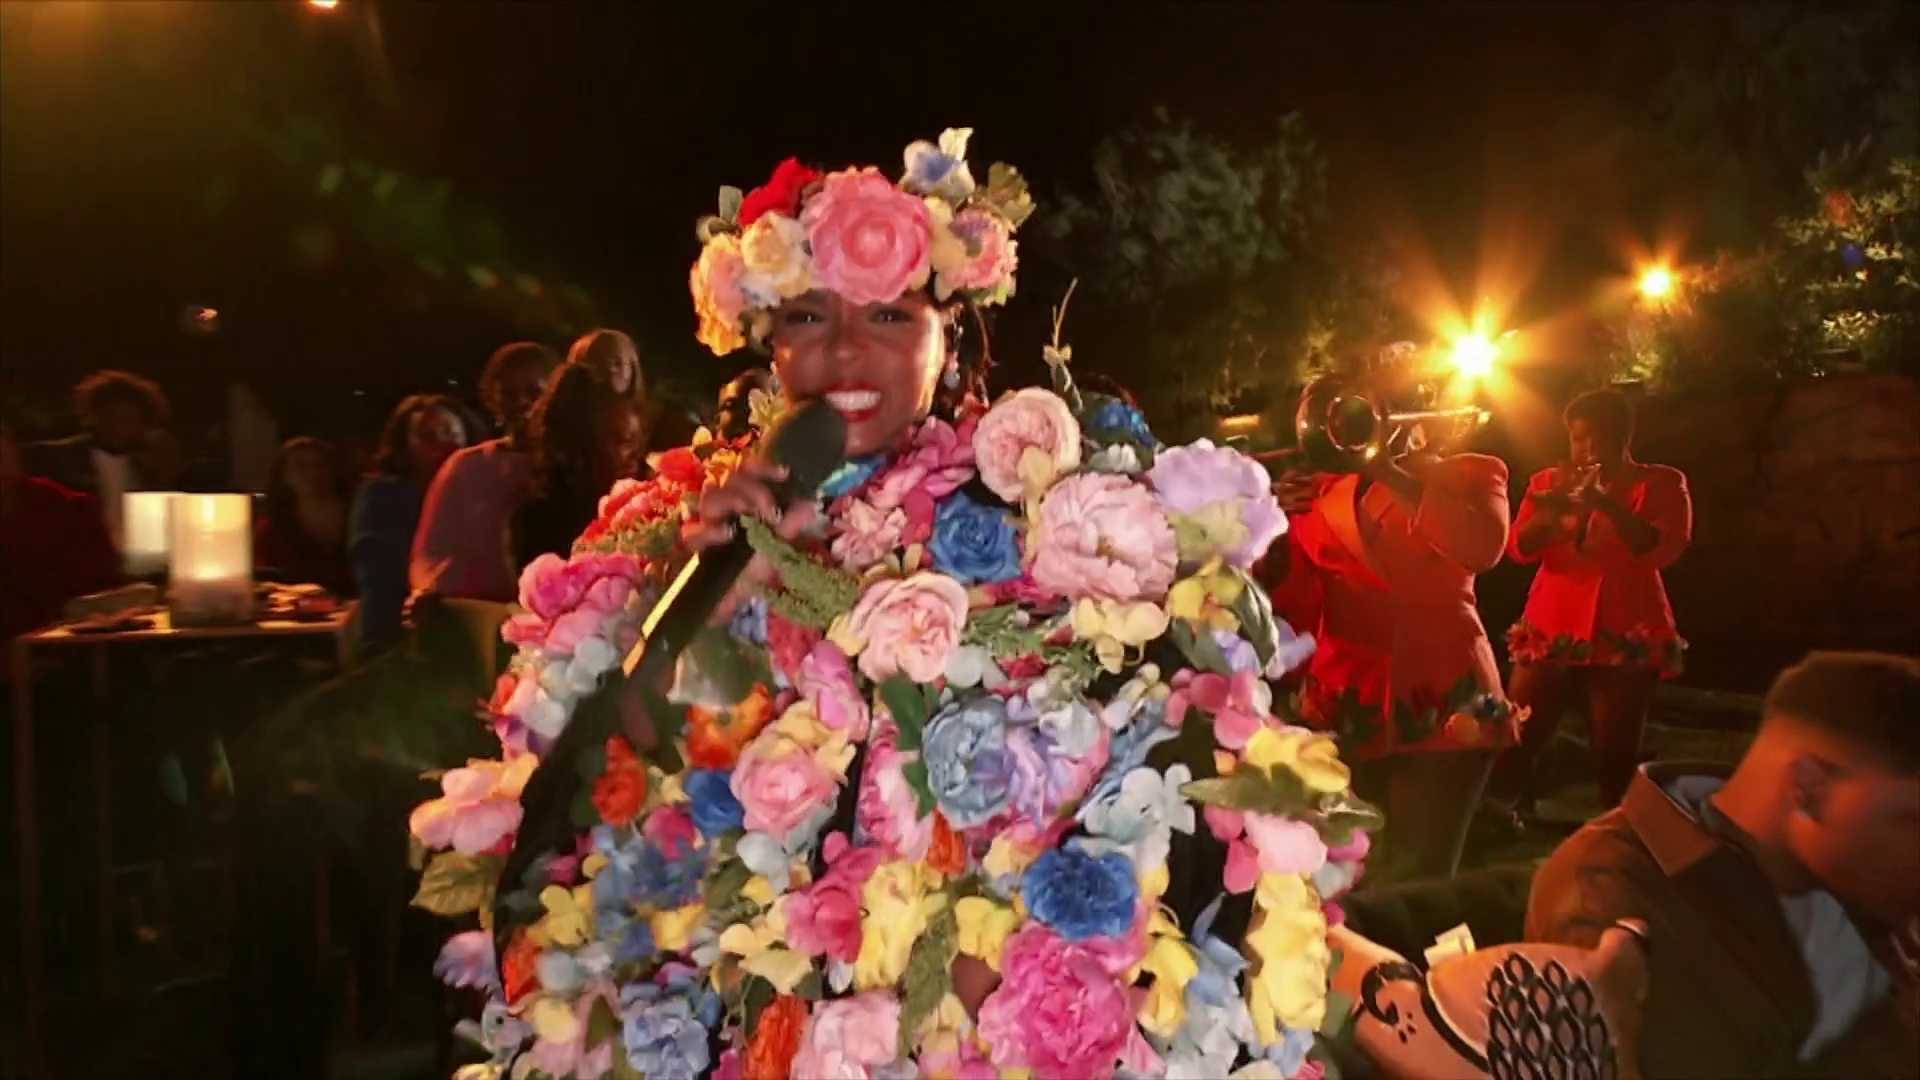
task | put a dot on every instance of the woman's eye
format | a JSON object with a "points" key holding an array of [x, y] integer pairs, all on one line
{"points": [[800, 317], [890, 315]]}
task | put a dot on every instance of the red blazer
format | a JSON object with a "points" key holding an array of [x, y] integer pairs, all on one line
{"points": [[1598, 590], [1388, 593]]}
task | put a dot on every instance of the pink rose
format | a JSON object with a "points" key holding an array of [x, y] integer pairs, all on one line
{"points": [[939, 463], [479, 806], [991, 251], [1102, 535], [568, 600], [869, 239], [719, 302], [825, 917], [1191, 479], [826, 679], [887, 811], [1029, 419], [850, 1037], [867, 534], [781, 786], [1057, 1010], [909, 625], [1285, 846]]}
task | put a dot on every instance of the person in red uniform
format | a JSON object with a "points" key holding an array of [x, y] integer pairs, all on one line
{"points": [[1597, 622], [1380, 566], [56, 546]]}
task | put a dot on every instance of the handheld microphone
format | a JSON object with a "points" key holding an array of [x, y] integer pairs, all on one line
{"points": [[811, 442]]}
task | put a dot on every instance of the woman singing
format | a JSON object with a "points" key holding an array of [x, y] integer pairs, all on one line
{"points": [[1597, 620]]}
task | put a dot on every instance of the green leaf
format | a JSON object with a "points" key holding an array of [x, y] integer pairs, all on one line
{"points": [[457, 883], [1251, 787], [901, 696], [1006, 193], [915, 772], [1339, 815], [602, 1024], [929, 972], [721, 889], [581, 811], [1200, 649], [591, 763], [756, 995], [1254, 609]]}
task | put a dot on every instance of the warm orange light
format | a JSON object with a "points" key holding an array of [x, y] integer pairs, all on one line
{"points": [[1474, 354], [323, 5], [1656, 283]]}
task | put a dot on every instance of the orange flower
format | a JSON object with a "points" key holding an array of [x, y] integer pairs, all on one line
{"points": [[714, 737], [621, 790], [518, 966], [947, 853], [775, 1039]]}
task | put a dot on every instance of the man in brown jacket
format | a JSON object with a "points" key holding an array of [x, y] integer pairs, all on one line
{"points": [[1783, 899]]}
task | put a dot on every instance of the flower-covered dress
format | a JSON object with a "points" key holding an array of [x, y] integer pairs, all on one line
{"points": [[1594, 601], [1008, 707]]}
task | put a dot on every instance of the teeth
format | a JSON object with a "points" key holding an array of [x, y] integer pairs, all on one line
{"points": [[853, 400]]}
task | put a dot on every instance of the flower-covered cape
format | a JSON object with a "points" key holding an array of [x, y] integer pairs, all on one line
{"points": [[986, 778]]}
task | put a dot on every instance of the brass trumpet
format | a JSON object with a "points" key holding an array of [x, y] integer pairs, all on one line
{"points": [[1341, 428]]}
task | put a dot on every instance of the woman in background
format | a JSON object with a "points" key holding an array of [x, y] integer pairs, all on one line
{"points": [[1597, 620], [421, 433], [302, 537], [584, 436]]}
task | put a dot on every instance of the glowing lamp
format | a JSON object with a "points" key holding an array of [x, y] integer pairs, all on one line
{"points": [[323, 5], [1656, 283], [144, 547], [1473, 355], [210, 563]]}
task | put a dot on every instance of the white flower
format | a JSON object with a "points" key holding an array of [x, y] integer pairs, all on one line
{"points": [[972, 665], [764, 856], [537, 708], [940, 170], [1142, 817], [1073, 726]]}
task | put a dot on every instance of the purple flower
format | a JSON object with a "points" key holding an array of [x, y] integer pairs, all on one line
{"points": [[1200, 483]]}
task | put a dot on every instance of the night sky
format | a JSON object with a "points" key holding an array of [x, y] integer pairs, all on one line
{"points": [[329, 180]]}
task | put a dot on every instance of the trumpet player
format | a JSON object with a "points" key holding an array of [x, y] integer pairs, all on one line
{"points": [[1597, 625], [1380, 564]]}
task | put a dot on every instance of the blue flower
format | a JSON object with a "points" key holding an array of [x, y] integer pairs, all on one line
{"points": [[631, 938], [1082, 895], [749, 622], [1110, 419], [638, 872], [663, 1035], [715, 809], [968, 766], [940, 168], [974, 543], [851, 474]]}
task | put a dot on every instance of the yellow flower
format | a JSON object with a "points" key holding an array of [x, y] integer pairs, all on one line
{"points": [[1164, 1008], [1207, 532], [1153, 883], [568, 922], [841, 633], [897, 909], [554, 1020], [1312, 756], [1115, 626], [984, 928], [759, 890], [1287, 986], [784, 968], [1006, 857], [1037, 471], [773, 249], [800, 725], [673, 930], [1207, 598]]}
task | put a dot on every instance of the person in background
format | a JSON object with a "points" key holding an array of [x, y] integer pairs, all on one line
{"points": [[302, 537], [1379, 566], [1783, 899], [125, 447], [421, 433], [55, 543], [1597, 620], [733, 418], [463, 546], [612, 356], [584, 436]]}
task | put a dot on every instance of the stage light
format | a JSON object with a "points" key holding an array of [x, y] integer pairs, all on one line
{"points": [[1474, 354], [1656, 283], [323, 5]]}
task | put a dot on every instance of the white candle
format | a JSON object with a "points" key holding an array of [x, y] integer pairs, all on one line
{"points": [[145, 515], [211, 560]]}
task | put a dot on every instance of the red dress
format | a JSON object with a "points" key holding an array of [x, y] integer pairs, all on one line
{"points": [[56, 549], [1594, 601], [1389, 597]]}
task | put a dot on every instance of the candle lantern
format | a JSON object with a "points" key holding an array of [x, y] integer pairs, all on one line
{"points": [[144, 547], [210, 563]]}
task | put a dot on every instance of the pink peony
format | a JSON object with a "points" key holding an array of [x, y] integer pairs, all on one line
{"points": [[850, 1037], [909, 625], [479, 807], [825, 917], [569, 600], [938, 463], [887, 812], [867, 534], [991, 251], [1285, 846], [1029, 419], [1102, 535], [718, 300], [826, 679], [781, 786], [1239, 704], [869, 239], [1057, 1010], [1190, 480]]}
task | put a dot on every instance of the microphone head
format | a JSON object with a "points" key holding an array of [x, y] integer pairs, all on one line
{"points": [[811, 441]]}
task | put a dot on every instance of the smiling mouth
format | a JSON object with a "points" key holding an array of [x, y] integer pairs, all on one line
{"points": [[853, 403]]}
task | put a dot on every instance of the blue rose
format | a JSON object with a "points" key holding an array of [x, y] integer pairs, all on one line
{"points": [[664, 1036], [1112, 419], [974, 543], [968, 766], [715, 810], [1082, 895]]}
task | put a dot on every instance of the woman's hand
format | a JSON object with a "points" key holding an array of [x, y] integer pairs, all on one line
{"points": [[749, 492]]}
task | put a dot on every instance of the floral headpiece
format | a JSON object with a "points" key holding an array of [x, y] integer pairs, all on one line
{"points": [[857, 234]]}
